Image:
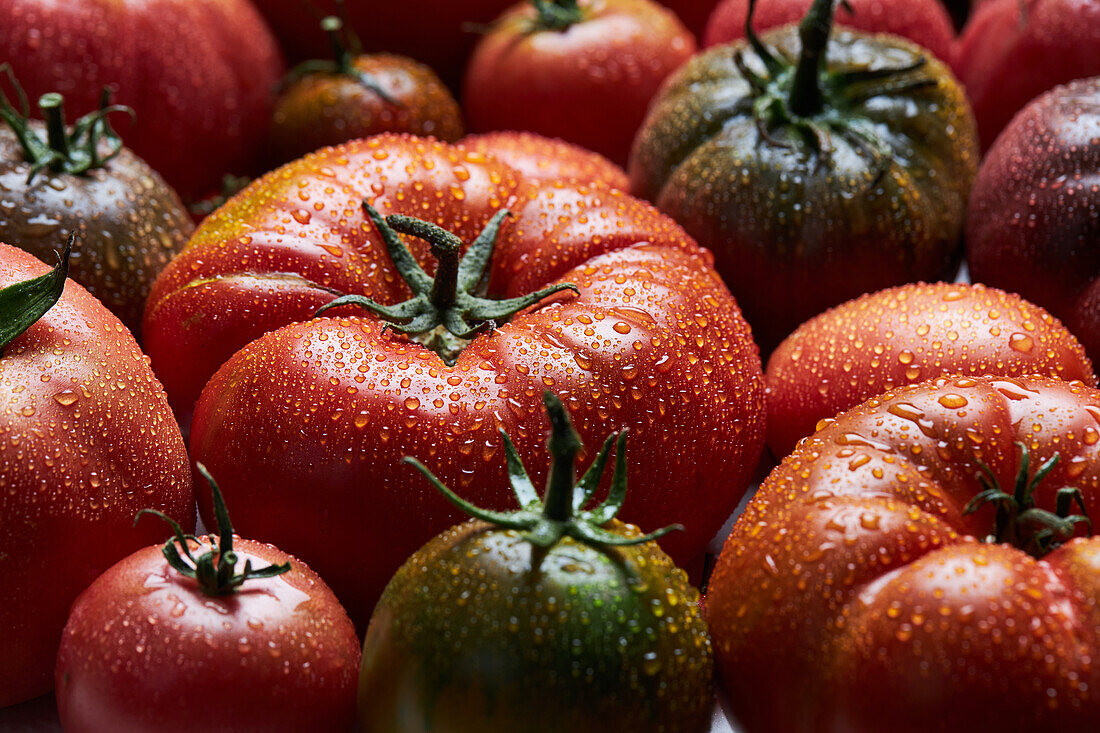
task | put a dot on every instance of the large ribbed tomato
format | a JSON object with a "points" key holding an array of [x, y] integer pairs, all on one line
{"points": [[306, 426], [919, 564], [86, 440]]}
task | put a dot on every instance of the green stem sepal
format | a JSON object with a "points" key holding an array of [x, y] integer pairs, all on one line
{"points": [[216, 569], [22, 304], [75, 150], [560, 511], [556, 15], [1019, 522], [345, 48], [444, 312]]}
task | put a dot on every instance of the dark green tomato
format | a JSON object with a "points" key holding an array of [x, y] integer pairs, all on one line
{"points": [[476, 632], [129, 222], [807, 210]]}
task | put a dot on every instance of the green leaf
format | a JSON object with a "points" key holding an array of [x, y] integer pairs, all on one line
{"points": [[22, 304]]}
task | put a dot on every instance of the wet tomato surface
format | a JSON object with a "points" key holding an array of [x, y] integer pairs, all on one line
{"points": [[306, 426], [86, 440], [906, 335], [1032, 223], [921, 563]]}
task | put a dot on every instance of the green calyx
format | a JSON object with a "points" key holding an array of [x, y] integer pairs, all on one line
{"points": [[444, 313], [22, 304], [556, 15], [346, 46], [1019, 522], [216, 569], [815, 102], [560, 512], [75, 150]]}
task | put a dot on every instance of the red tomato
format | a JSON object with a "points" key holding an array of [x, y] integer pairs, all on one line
{"points": [[86, 440], [317, 416], [925, 22], [1013, 50], [198, 73], [906, 335], [258, 643], [544, 159], [585, 75], [870, 585], [1032, 224]]}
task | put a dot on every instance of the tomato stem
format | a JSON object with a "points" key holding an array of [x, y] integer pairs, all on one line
{"points": [[560, 512], [345, 47], [1018, 521], [805, 98], [557, 15], [445, 312]]}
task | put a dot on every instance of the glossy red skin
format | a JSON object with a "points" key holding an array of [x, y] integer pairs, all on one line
{"points": [[543, 159], [146, 649], [906, 335], [654, 342], [589, 84], [852, 594], [198, 73], [924, 22], [433, 32], [86, 440], [1032, 224], [1006, 60]]}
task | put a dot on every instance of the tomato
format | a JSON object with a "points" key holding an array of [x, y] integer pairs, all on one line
{"points": [[581, 70], [585, 624], [1032, 224], [129, 221], [198, 73], [1013, 50], [316, 416], [237, 636], [359, 95], [439, 34], [924, 22], [548, 160], [86, 439], [812, 182], [692, 13], [912, 566], [906, 335]]}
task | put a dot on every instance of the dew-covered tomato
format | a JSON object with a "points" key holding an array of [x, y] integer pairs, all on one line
{"points": [[921, 563], [581, 70], [86, 440], [315, 417], [589, 626], [216, 633], [1011, 51], [924, 22], [815, 168], [1032, 224], [358, 95], [906, 335], [198, 73], [543, 159]]}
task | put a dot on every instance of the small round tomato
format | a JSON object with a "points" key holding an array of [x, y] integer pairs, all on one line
{"points": [[924, 22], [86, 439], [1013, 50], [581, 70], [924, 562], [906, 335], [553, 613], [58, 180], [358, 95], [1032, 224], [815, 168], [211, 634]]}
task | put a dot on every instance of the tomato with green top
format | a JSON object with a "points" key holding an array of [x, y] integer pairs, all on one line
{"points": [[552, 617]]}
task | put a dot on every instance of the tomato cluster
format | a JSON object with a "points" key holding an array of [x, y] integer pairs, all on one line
{"points": [[461, 251]]}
